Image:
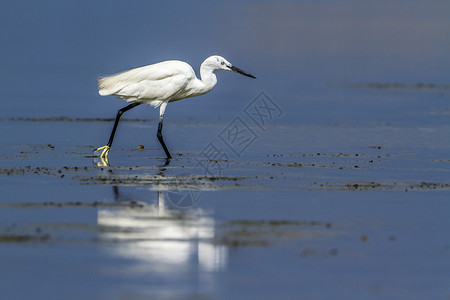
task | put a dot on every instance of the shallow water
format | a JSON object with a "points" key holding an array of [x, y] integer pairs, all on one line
{"points": [[328, 177]]}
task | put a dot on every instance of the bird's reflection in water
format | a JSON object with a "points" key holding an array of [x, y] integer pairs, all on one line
{"points": [[161, 238]]}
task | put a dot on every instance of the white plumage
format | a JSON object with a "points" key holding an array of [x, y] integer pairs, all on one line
{"points": [[151, 84], [159, 84]]}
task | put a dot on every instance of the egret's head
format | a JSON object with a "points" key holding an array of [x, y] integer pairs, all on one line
{"points": [[219, 63]]}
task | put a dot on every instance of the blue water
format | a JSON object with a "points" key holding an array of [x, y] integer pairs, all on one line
{"points": [[341, 193]]}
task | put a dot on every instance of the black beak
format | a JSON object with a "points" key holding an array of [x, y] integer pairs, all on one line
{"points": [[237, 70]]}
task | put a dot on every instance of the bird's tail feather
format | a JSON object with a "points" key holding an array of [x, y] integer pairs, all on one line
{"points": [[102, 90]]}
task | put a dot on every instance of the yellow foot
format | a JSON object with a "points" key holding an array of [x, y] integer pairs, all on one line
{"points": [[104, 162], [105, 151], [103, 156]]}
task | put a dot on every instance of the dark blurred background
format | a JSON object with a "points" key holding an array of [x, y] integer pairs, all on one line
{"points": [[52, 51]]}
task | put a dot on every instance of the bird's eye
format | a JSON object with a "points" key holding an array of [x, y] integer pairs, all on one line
{"points": [[222, 63]]}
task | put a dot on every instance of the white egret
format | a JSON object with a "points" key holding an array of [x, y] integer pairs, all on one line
{"points": [[159, 84]]}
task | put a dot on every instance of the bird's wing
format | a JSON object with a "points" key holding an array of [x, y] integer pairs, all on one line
{"points": [[161, 81]]}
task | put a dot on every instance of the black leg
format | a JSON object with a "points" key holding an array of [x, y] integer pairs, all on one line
{"points": [[160, 138], [119, 114], [162, 169]]}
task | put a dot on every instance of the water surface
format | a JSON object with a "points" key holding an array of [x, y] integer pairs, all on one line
{"points": [[336, 185]]}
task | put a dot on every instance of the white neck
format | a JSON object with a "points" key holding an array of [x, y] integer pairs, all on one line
{"points": [[208, 78]]}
